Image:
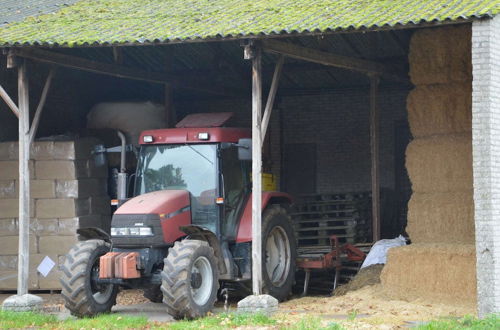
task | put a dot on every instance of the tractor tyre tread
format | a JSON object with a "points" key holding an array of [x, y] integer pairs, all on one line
{"points": [[74, 282], [176, 283], [272, 215]]}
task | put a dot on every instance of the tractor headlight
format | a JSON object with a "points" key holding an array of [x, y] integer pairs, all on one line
{"points": [[132, 231]]}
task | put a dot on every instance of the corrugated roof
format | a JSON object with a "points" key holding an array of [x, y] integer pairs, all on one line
{"points": [[15, 10], [95, 22]]}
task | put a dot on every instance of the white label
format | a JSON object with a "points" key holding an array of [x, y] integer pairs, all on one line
{"points": [[46, 266]]}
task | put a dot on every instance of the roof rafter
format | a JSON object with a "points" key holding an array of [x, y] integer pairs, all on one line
{"points": [[329, 59], [117, 70]]}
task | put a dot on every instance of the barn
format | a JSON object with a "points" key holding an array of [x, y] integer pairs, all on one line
{"points": [[391, 105]]}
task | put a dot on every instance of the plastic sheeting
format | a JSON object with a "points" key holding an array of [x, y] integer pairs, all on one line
{"points": [[129, 117], [378, 252]]}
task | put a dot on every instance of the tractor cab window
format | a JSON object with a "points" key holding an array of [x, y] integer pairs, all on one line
{"points": [[191, 167], [236, 189]]}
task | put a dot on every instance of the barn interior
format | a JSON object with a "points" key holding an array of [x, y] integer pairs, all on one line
{"points": [[318, 147]]}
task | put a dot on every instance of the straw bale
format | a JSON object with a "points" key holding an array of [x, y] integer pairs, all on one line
{"points": [[441, 55], [444, 273], [441, 217], [440, 163], [440, 109], [366, 276]]}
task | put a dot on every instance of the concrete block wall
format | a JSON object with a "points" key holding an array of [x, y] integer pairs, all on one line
{"points": [[68, 191], [486, 160], [337, 122]]}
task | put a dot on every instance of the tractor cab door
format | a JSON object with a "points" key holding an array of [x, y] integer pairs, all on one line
{"points": [[235, 176]]}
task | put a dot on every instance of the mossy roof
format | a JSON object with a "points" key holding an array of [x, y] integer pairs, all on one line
{"points": [[97, 22]]}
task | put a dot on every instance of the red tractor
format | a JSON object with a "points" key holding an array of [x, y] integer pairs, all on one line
{"points": [[187, 232]]}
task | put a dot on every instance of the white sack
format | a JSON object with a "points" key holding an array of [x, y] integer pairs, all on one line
{"points": [[378, 252], [129, 117]]}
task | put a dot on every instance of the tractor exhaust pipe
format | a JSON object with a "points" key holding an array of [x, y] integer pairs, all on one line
{"points": [[121, 182]]}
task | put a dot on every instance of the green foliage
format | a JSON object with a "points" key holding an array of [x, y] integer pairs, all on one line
{"points": [[9, 320], [312, 323], [224, 321], [352, 315], [468, 322], [131, 21]]}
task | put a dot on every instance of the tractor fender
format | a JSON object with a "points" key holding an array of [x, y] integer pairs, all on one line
{"points": [[203, 234], [93, 233], [268, 198]]}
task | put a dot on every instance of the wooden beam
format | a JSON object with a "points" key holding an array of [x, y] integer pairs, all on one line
{"points": [[24, 180], [118, 55], [325, 58], [374, 143], [8, 100], [41, 104], [271, 97], [256, 56], [117, 70]]}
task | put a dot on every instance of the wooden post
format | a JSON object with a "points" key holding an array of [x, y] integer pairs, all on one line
{"points": [[24, 180], [256, 171], [374, 143]]}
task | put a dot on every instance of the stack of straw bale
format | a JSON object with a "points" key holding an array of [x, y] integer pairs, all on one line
{"points": [[440, 265], [68, 191]]}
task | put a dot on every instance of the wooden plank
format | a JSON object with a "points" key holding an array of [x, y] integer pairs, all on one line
{"points": [[41, 104], [272, 96], [325, 58], [256, 170], [24, 180], [117, 70], [8, 100], [374, 143], [118, 55]]}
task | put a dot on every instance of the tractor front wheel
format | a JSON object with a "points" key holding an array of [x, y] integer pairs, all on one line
{"points": [[82, 295], [190, 279]]}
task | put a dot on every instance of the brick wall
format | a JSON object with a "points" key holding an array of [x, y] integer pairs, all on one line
{"points": [[486, 160], [337, 122]]}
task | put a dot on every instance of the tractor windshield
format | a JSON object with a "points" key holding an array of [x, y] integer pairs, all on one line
{"points": [[191, 167], [178, 167]]}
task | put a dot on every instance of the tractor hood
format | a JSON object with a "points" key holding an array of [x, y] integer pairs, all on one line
{"points": [[164, 211], [163, 203]]}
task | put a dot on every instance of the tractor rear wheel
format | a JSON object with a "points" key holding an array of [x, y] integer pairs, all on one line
{"points": [[190, 279], [279, 251], [82, 295]]}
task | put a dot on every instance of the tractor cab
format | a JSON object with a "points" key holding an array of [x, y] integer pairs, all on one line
{"points": [[186, 232], [206, 163]]}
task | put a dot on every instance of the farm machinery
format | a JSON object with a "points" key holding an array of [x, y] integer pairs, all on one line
{"points": [[185, 233]]}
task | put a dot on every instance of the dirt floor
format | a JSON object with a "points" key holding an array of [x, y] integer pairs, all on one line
{"points": [[370, 308], [366, 308]]}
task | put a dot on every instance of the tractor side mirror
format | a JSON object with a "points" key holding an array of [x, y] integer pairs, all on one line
{"points": [[245, 149]]}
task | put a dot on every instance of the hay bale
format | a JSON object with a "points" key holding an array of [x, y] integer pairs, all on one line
{"points": [[441, 55], [441, 217], [440, 109], [444, 273], [366, 276], [440, 163]]}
